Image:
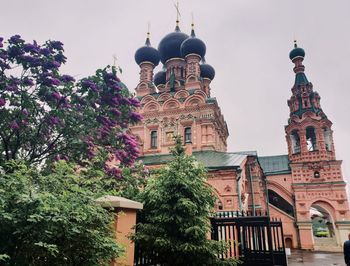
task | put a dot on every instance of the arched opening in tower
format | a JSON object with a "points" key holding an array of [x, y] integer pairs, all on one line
{"points": [[295, 141], [311, 139]]}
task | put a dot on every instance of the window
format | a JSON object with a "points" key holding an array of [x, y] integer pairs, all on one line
{"points": [[188, 135], [295, 142], [154, 140], [311, 139]]}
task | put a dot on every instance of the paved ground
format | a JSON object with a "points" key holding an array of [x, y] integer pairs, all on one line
{"points": [[307, 258]]}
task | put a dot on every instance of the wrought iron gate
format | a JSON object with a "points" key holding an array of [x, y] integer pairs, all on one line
{"points": [[255, 240]]}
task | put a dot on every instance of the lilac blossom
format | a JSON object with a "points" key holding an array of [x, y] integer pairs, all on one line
{"points": [[2, 102]]}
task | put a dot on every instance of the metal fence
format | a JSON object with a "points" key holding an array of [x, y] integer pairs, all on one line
{"points": [[253, 239]]}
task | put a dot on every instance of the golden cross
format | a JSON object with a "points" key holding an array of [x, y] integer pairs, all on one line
{"points": [[148, 28], [114, 59], [192, 20], [177, 11]]}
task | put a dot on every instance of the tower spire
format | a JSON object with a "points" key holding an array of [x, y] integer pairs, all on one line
{"points": [[304, 99]]}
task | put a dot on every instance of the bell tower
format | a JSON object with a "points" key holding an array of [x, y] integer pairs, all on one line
{"points": [[317, 179]]}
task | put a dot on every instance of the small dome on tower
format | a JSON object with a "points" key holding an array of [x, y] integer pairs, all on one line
{"points": [[193, 45], [169, 46], [207, 71], [147, 53], [159, 78], [296, 52]]}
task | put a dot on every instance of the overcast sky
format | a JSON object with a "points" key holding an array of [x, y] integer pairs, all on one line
{"points": [[248, 43]]}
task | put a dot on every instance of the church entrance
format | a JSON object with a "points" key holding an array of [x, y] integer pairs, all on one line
{"points": [[323, 229]]}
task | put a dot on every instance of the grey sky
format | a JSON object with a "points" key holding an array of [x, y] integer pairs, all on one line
{"points": [[247, 43]]}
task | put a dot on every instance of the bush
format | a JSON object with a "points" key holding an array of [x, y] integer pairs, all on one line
{"points": [[52, 219]]}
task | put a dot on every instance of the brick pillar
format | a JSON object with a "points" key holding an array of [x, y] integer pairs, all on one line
{"points": [[306, 236], [124, 222]]}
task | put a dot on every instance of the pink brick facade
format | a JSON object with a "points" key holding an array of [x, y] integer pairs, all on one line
{"points": [[178, 101]]}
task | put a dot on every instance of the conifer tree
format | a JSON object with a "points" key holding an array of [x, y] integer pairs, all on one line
{"points": [[177, 206]]}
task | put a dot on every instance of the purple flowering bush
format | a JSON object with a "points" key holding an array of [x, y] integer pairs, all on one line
{"points": [[47, 116]]}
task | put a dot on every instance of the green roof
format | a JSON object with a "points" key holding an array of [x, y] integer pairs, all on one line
{"points": [[275, 165], [210, 159]]}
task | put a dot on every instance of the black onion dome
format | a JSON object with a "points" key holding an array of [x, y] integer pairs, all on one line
{"points": [[207, 71], [169, 46], [147, 53], [296, 52], [193, 45], [159, 78]]}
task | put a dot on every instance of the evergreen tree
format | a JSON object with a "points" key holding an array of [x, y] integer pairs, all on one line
{"points": [[177, 207]]}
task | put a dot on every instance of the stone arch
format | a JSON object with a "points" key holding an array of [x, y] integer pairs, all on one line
{"points": [[181, 94], [171, 104], [194, 100], [200, 92], [326, 206], [147, 99], [151, 106], [326, 222], [281, 190], [288, 242], [191, 78], [142, 85], [164, 97]]}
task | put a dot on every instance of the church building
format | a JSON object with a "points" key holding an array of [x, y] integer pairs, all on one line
{"points": [[178, 100]]}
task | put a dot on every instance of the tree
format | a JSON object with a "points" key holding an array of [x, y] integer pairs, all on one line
{"points": [[52, 219], [61, 141], [46, 116], [177, 207]]}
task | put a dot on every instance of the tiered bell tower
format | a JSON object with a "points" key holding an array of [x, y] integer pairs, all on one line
{"points": [[317, 179]]}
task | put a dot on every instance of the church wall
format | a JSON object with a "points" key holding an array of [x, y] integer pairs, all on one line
{"points": [[288, 223], [225, 186]]}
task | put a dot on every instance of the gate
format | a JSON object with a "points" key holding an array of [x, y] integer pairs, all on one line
{"points": [[255, 240]]}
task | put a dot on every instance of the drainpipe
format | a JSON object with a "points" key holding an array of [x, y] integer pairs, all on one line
{"points": [[251, 189], [267, 197], [239, 175]]}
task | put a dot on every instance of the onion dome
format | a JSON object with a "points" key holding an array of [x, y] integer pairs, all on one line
{"points": [[147, 53], [193, 45], [207, 71], [159, 78], [296, 52], [169, 46]]}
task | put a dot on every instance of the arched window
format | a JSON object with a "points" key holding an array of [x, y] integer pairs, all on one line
{"points": [[295, 141], [154, 139], [311, 139], [188, 135], [327, 138]]}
